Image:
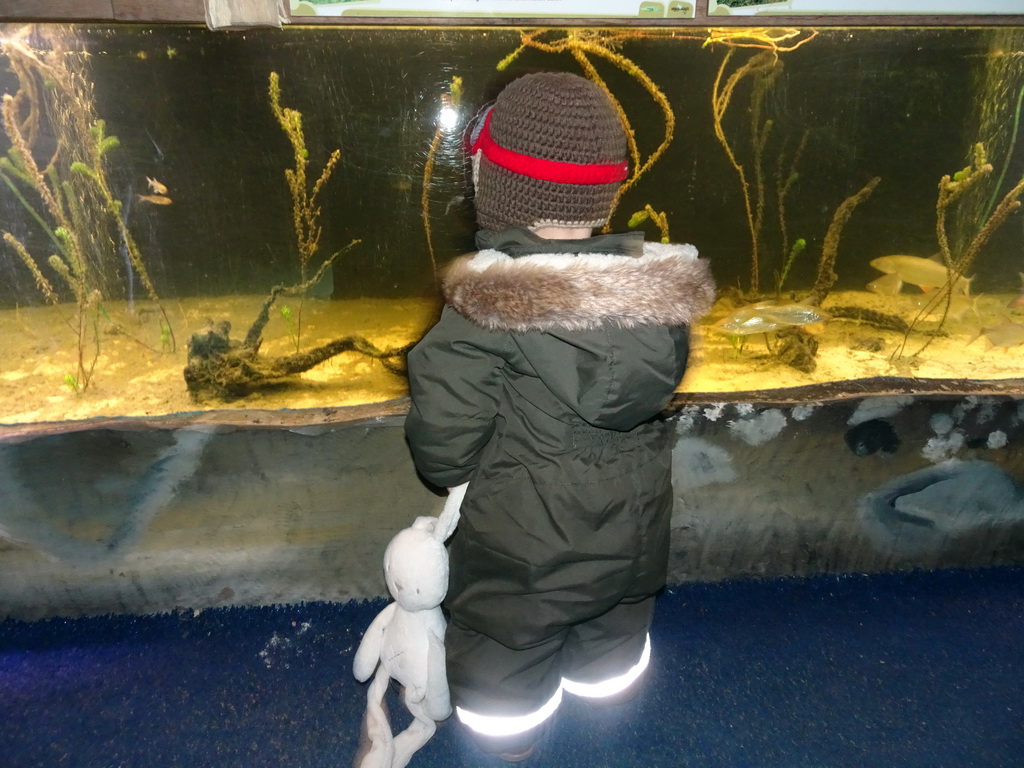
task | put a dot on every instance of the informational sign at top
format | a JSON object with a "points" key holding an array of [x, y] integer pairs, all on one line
{"points": [[653, 9], [854, 7], [556, 9]]}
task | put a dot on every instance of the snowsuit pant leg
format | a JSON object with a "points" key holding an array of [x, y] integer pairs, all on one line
{"points": [[511, 579], [490, 679], [607, 648]]}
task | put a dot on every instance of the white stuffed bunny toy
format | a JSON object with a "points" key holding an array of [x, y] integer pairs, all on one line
{"points": [[406, 640]]}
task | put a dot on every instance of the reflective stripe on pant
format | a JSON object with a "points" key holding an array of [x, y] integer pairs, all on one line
{"points": [[499, 691], [613, 685], [509, 725]]}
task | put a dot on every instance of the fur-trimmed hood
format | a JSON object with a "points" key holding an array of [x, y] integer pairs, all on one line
{"points": [[667, 285]]}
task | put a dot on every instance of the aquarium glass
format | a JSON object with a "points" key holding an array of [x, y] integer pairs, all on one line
{"points": [[196, 220]]}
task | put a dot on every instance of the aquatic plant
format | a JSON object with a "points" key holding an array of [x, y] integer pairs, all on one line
{"points": [[305, 207], [774, 39], [84, 324], [798, 247], [451, 100], [219, 367], [786, 176], [951, 190], [1008, 156], [659, 218], [93, 171], [763, 68], [830, 248], [76, 208], [994, 117], [795, 346], [289, 320]]}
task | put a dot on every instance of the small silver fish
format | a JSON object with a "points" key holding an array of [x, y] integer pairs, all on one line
{"points": [[767, 317], [1018, 303], [156, 186], [959, 305], [924, 273], [1005, 335]]}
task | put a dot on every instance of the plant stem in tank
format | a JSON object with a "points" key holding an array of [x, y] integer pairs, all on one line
{"points": [[774, 39], [763, 68], [289, 320], [84, 324], [994, 119], [451, 102], [76, 208], [785, 178], [659, 218], [830, 248], [70, 263], [951, 190], [305, 208], [93, 171], [798, 247], [1009, 154], [219, 367]]}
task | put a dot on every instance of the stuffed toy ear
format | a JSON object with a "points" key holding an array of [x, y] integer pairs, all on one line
{"points": [[449, 517]]}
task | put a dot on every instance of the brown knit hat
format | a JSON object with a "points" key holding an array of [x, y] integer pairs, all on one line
{"points": [[552, 152]]}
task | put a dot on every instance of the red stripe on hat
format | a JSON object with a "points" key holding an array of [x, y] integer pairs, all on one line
{"points": [[545, 170]]}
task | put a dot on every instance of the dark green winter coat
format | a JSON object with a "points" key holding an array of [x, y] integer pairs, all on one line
{"points": [[542, 385]]}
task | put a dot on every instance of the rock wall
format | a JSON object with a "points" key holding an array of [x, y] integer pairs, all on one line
{"points": [[128, 517]]}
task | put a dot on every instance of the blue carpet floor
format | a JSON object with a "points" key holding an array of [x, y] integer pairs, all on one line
{"points": [[918, 669]]}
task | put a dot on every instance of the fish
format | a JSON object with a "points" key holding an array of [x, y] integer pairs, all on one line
{"points": [[924, 273], [959, 305], [155, 199], [768, 317], [156, 186], [1005, 335], [1018, 303]]}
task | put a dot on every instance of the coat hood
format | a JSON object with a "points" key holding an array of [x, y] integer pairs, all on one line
{"points": [[666, 285]]}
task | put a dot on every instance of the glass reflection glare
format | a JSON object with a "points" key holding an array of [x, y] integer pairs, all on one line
{"points": [[448, 118]]}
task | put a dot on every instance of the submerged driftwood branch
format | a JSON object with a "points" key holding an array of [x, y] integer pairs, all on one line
{"points": [[220, 367]]}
